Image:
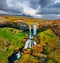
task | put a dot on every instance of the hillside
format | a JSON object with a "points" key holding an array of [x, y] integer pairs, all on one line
{"points": [[10, 39], [19, 22], [14, 32]]}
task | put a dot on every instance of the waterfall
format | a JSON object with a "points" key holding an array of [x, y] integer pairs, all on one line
{"points": [[29, 43], [18, 55], [34, 29], [14, 56], [30, 29]]}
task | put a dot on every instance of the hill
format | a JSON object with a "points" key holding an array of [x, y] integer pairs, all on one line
{"points": [[14, 33]]}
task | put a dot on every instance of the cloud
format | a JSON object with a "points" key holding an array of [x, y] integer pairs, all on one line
{"points": [[3, 5], [51, 16], [57, 1], [34, 4], [3, 12], [36, 8], [56, 5], [11, 7], [50, 9], [40, 3], [16, 7], [45, 3]]}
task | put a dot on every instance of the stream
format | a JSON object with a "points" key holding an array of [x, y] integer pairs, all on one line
{"points": [[28, 44], [16, 55]]}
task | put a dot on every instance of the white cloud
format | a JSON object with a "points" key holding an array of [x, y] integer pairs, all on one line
{"points": [[14, 4], [29, 11], [3, 12], [24, 4], [57, 1]]}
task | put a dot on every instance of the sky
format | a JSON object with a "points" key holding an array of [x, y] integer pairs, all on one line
{"points": [[45, 9]]}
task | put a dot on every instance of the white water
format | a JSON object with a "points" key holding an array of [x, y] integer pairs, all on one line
{"points": [[30, 33], [18, 55], [34, 29], [29, 43]]}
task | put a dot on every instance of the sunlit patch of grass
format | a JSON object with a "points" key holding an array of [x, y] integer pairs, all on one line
{"points": [[15, 36], [52, 48], [26, 58], [48, 36], [10, 39]]}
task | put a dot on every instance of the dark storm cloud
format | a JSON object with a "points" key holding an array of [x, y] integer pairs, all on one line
{"points": [[14, 11], [4, 6], [42, 7], [42, 3], [34, 4], [45, 3], [56, 5], [50, 9]]}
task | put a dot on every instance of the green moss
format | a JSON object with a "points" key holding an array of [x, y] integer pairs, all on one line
{"points": [[52, 42], [48, 36], [50, 61], [10, 36], [26, 58]]}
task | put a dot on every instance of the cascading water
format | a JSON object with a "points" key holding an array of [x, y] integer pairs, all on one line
{"points": [[30, 34], [29, 43], [16, 55], [34, 29]]}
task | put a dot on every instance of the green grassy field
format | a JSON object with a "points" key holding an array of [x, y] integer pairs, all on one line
{"points": [[52, 49], [12, 39]]}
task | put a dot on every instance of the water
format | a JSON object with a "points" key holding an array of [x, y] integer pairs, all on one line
{"points": [[34, 29], [18, 55], [14, 56], [28, 44], [30, 31]]}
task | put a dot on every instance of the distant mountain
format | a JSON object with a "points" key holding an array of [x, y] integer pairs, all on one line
{"points": [[24, 15], [27, 15]]}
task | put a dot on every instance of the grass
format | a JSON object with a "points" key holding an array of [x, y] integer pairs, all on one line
{"points": [[28, 59], [11, 39], [52, 49], [14, 37], [48, 36]]}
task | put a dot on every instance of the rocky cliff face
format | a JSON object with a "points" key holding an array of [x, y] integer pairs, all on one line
{"points": [[17, 25]]}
